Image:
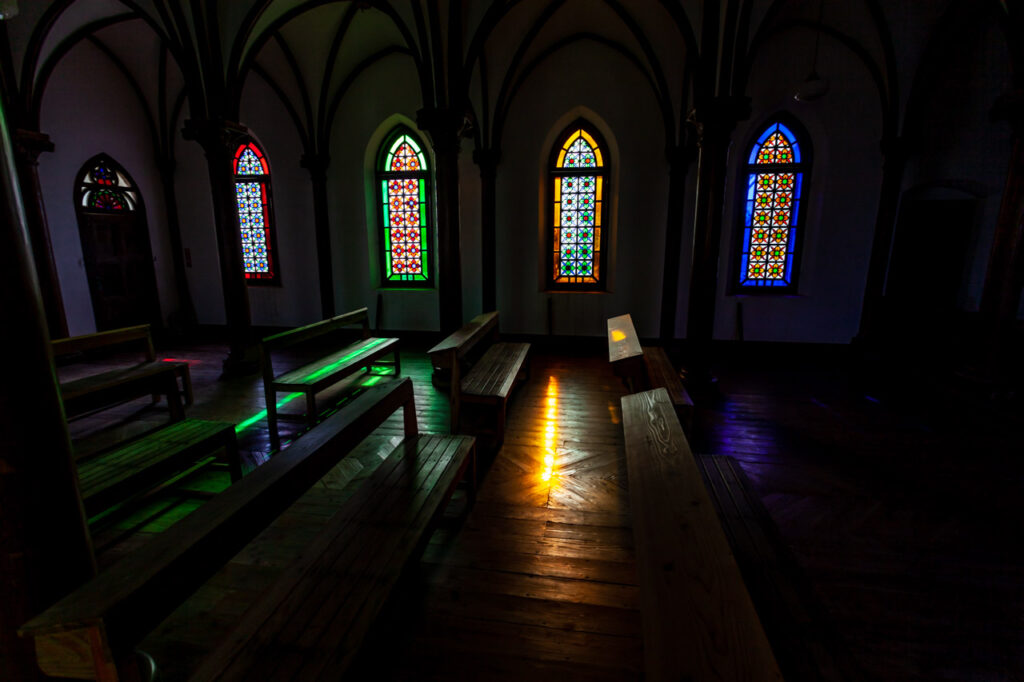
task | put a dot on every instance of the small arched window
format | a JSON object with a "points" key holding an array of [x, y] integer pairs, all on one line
{"points": [[404, 200], [577, 244], [773, 212], [105, 188], [255, 217]]}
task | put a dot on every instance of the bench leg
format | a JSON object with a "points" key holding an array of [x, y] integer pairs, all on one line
{"points": [[186, 384], [231, 454], [311, 409], [270, 397], [398, 364]]}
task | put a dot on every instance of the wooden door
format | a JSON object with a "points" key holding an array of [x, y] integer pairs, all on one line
{"points": [[119, 266]]}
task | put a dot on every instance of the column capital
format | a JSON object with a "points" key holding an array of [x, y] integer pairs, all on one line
{"points": [[488, 159], [446, 127], [215, 136], [29, 144], [317, 164], [716, 118]]}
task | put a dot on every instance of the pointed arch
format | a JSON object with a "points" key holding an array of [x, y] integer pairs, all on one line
{"points": [[404, 201], [103, 186], [255, 214], [777, 169], [577, 253]]}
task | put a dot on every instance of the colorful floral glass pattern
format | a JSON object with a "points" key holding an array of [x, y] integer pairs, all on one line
{"points": [[772, 207], [578, 210], [106, 189], [252, 174], [403, 183]]}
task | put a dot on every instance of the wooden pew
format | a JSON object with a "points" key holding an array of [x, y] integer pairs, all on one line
{"points": [[646, 367], [104, 389], [323, 373], [482, 370], [92, 633], [698, 620], [144, 463]]}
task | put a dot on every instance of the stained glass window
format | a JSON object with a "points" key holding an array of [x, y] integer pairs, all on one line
{"points": [[252, 194], [404, 182], [772, 211], [577, 247], [106, 189]]}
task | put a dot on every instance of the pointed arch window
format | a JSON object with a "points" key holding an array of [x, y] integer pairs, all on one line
{"points": [[105, 188], [773, 211], [577, 241], [255, 215], [403, 177]]}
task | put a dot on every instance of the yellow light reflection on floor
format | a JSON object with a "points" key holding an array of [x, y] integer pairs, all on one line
{"points": [[550, 431]]}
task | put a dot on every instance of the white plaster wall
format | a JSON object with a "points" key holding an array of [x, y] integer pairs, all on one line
{"points": [[606, 84], [89, 108]]}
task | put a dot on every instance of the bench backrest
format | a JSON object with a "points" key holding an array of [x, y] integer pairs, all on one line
{"points": [[461, 342], [113, 611], [107, 339], [623, 343], [299, 335]]}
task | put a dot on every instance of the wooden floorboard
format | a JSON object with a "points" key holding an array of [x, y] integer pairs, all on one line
{"points": [[903, 521]]}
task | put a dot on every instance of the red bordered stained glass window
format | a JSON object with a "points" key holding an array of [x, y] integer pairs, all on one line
{"points": [[255, 217], [403, 179], [777, 165], [578, 237]]}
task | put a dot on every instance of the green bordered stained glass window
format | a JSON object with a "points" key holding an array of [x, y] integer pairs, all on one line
{"points": [[773, 216], [578, 236], [255, 218], [403, 180]]}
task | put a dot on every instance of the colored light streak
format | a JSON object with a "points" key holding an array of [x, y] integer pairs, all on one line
{"points": [[617, 335], [550, 431], [344, 358]]}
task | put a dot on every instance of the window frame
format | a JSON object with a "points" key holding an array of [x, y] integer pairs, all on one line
{"points": [[380, 177], [801, 199], [270, 222], [554, 172]]}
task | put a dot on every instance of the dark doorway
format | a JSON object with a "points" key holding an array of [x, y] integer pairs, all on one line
{"points": [[115, 246], [929, 253]]}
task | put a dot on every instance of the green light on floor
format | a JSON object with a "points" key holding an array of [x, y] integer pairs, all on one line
{"points": [[262, 414], [324, 370]]}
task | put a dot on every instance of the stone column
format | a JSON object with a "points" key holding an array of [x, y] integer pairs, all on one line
{"points": [[488, 160], [894, 161], [715, 122], [28, 145], [444, 127], [218, 140], [679, 159], [317, 165], [45, 549]]}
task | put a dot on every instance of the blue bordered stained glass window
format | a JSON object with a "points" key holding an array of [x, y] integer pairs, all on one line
{"points": [[255, 221], [577, 249], [405, 236], [775, 172]]}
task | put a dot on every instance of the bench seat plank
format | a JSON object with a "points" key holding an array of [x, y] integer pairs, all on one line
{"points": [[326, 371], [495, 373], [309, 625], [699, 622], [114, 476]]}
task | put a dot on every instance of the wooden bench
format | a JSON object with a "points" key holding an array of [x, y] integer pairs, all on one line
{"points": [[698, 620], [646, 367], [323, 373], [92, 632], [805, 642], [105, 389], [482, 371], [146, 462]]}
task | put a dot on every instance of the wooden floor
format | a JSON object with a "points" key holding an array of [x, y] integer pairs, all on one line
{"points": [[906, 523]]}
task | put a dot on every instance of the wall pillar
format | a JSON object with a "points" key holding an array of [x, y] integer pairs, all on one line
{"points": [[679, 159], [488, 160], [444, 127], [317, 165], [45, 549], [218, 140], [28, 145], [894, 161], [715, 122]]}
